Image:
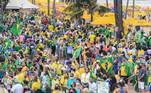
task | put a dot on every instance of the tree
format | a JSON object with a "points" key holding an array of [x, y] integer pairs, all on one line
{"points": [[133, 8], [127, 4], [107, 3], [48, 7], [54, 9], [91, 6], [118, 15], [76, 8]]}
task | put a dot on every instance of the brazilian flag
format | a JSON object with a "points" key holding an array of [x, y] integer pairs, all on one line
{"points": [[126, 67], [106, 64], [77, 52], [7, 43], [16, 30]]}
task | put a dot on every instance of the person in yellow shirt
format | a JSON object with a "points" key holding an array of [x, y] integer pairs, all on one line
{"points": [[140, 53], [57, 89], [91, 37], [36, 84], [20, 77]]}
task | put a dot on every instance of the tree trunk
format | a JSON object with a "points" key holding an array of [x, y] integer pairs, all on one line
{"points": [[54, 9], [126, 9], [48, 7], [133, 8], [107, 3], [32, 1], [119, 16], [91, 16]]}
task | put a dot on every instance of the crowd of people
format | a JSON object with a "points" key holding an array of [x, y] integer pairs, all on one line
{"points": [[60, 56]]}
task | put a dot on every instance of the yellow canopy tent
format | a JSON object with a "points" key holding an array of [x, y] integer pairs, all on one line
{"points": [[86, 15], [103, 21], [109, 14], [44, 3], [135, 22]]}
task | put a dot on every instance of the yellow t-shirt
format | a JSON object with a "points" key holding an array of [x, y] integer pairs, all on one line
{"points": [[77, 74], [20, 77], [130, 59], [36, 85], [123, 71], [149, 79], [51, 27], [140, 52], [135, 69], [62, 80], [117, 77], [65, 36], [58, 67], [81, 70], [92, 37]]}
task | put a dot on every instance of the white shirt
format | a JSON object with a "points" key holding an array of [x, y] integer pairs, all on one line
{"points": [[92, 87], [17, 88], [85, 77]]}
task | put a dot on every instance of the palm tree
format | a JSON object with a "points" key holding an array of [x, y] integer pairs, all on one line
{"points": [[118, 15], [133, 8], [77, 7], [74, 9], [127, 4], [92, 7]]}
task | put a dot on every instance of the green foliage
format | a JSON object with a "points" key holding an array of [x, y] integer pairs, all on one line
{"points": [[75, 8]]}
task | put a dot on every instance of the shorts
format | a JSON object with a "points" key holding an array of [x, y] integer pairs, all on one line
{"points": [[141, 85]]}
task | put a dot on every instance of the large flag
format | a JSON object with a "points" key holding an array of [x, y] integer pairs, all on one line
{"points": [[106, 64], [7, 43], [149, 41], [16, 28], [125, 69], [77, 52]]}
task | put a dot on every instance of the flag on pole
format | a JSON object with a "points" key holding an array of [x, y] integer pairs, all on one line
{"points": [[16, 28], [77, 52], [7, 43]]}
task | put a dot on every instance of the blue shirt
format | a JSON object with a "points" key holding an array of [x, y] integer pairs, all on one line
{"points": [[69, 49], [69, 82]]}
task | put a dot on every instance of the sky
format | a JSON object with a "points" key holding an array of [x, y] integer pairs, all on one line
{"points": [[142, 3]]}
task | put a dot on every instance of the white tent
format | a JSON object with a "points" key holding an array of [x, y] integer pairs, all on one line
{"points": [[25, 4], [13, 4], [17, 4]]}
